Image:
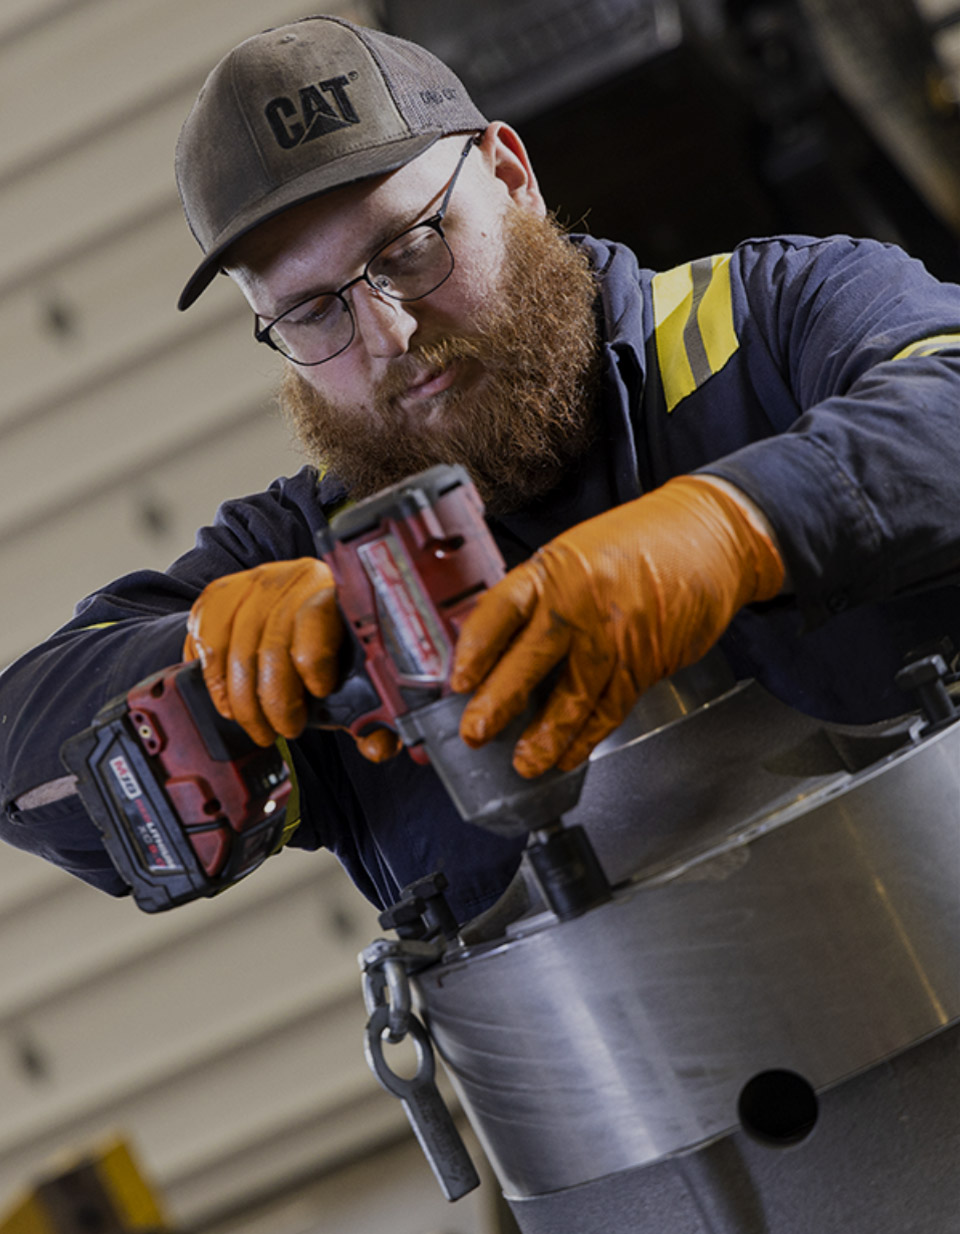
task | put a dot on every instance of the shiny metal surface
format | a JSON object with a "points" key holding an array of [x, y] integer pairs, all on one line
{"points": [[483, 784], [882, 1159], [792, 904], [671, 700]]}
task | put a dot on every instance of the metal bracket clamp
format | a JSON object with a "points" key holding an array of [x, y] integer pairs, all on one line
{"points": [[423, 1105], [928, 678], [386, 966], [390, 978]]}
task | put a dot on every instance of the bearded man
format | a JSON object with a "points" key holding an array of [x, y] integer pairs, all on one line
{"points": [[759, 448]]}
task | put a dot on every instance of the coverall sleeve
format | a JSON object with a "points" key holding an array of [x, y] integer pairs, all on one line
{"points": [[117, 637], [861, 480]]}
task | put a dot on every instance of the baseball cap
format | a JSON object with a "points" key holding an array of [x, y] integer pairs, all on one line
{"points": [[301, 109]]}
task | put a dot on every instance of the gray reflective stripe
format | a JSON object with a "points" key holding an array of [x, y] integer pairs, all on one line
{"points": [[702, 272], [693, 325], [45, 794]]}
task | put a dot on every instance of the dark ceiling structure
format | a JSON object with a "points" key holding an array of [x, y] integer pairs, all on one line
{"points": [[684, 126]]}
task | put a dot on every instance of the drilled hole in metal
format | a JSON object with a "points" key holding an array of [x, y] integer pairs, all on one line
{"points": [[778, 1108]]}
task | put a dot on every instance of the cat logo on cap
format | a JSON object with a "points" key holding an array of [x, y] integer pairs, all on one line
{"points": [[323, 108]]}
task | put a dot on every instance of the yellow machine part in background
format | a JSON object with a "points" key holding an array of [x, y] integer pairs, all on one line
{"points": [[102, 1190]]}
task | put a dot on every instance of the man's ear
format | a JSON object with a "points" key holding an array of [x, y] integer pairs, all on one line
{"points": [[507, 157]]}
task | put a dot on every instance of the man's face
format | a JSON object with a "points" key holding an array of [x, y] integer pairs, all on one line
{"points": [[494, 369]]}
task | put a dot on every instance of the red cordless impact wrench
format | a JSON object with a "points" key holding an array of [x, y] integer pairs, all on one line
{"points": [[188, 804]]}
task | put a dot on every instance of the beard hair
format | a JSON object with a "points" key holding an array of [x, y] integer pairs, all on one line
{"points": [[529, 419]]}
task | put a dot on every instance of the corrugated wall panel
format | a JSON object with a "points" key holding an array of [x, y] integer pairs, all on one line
{"points": [[177, 1006], [102, 310], [41, 963], [19, 16], [398, 1198], [137, 519], [92, 193], [141, 414], [24, 880], [102, 61]]}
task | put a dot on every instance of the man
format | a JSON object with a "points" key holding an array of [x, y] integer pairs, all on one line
{"points": [[759, 447]]}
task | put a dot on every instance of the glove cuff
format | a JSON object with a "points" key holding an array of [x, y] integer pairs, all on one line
{"points": [[762, 571]]}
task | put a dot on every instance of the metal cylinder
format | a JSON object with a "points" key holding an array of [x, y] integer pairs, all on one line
{"points": [[786, 918]]}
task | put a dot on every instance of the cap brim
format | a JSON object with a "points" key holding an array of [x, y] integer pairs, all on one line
{"points": [[360, 165]]}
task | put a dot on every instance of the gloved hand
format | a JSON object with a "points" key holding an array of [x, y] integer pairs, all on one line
{"points": [[263, 637], [627, 598]]}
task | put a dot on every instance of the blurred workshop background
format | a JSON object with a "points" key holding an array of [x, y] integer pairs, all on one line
{"points": [[224, 1040]]}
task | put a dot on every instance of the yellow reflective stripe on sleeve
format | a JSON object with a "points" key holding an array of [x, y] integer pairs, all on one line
{"points": [[927, 346], [693, 324], [672, 302], [292, 817], [100, 625]]}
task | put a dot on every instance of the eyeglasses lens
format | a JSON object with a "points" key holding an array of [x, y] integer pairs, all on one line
{"points": [[315, 330], [408, 268], [411, 266]]}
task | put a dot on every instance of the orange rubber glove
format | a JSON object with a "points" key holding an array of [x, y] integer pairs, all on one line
{"points": [[626, 598], [266, 636]]}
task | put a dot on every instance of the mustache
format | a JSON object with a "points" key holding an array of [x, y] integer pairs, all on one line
{"points": [[435, 355]]}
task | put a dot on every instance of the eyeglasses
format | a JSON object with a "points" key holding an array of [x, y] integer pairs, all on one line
{"points": [[408, 267]]}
